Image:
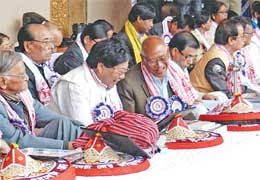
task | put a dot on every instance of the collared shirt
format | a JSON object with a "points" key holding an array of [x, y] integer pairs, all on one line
{"points": [[254, 23], [161, 85], [77, 93]]}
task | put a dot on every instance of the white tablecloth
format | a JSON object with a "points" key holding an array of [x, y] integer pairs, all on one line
{"points": [[238, 158]]}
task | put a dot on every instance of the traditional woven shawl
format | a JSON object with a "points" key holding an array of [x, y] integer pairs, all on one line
{"points": [[142, 130], [43, 90], [181, 85], [231, 79], [27, 100], [249, 70], [135, 41]]}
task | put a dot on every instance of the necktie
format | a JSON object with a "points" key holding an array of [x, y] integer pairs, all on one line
{"points": [[246, 8], [41, 69]]}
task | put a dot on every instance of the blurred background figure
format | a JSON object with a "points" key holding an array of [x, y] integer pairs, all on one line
{"points": [[5, 42]]}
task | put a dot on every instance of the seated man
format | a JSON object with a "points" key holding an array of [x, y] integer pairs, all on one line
{"points": [[36, 46], [175, 25], [248, 77], [184, 48], [149, 78], [22, 116], [210, 72], [78, 52], [84, 91], [134, 32]]}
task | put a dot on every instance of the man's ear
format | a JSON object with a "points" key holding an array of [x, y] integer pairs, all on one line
{"points": [[3, 82], [27, 46], [173, 52], [213, 17], [86, 40], [100, 67], [230, 40], [138, 19], [203, 26]]}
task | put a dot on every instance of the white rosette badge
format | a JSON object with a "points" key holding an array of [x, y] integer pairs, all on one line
{"points": [[176, 104], [102, 111], [157, 107]]}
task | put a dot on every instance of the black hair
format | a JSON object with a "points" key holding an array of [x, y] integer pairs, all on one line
{"points": [[24, 34], [2, 36], [242, 20], [169, 9], [183, 21], [202, 18], [226, 29], [213, 7], [183, 39], [108, 52], [33, 18], [144, 10], [256, 7], [106, 25], [95, 30]]}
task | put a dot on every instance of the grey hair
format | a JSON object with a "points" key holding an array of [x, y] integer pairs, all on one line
{"points": [[8, 59]]}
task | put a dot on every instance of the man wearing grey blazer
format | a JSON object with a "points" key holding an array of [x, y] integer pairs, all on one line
{"points": [[133, 90]]}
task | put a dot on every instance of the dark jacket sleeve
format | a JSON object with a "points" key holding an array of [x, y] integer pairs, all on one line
{"points": [[156, 30], [215, 73], [71, 59], [126, 95]]}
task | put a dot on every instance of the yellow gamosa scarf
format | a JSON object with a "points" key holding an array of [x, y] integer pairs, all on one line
{"points": [[135, 41]]}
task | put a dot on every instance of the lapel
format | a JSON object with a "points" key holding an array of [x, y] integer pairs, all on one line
{"points": [[142, 81], [145, 90]]}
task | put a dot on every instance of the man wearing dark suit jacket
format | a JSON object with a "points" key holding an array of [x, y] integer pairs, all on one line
{"points": [[134, 32], [78, 51], [134, 90]]}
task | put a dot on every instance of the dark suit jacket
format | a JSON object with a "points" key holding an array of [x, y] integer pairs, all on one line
{"points": [[156, 30], [133, 91], [31, 83], [71, 59], [127, 46]]}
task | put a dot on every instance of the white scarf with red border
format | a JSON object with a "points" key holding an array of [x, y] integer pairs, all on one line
{"points": [[179, 83], [43, 90]]}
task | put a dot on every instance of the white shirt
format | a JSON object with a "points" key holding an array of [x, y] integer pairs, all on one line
{"points": [[76, 95], [211, 33]]}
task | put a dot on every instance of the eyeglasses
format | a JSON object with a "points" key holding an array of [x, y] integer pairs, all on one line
{"points": [[152, 62], [248, 33], [189, 57], [45, 43], [21, 76], [222, 12], [120, 71], [241, 36]]}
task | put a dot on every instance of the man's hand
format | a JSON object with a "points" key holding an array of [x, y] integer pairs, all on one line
{"points": [[70, 146], [197, 101], [209, 97]]}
